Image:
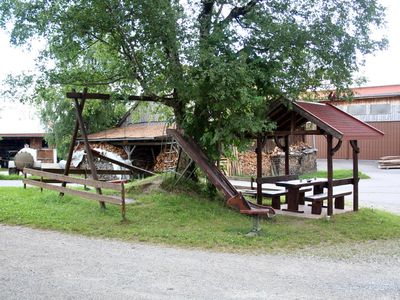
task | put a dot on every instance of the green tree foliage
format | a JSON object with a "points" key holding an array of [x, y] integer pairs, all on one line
{"points": [[217, 64]]}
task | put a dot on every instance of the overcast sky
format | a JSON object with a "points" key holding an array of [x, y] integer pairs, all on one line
{"points": [[381, 69]]}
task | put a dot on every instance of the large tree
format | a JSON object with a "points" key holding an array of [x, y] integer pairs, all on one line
{"points": [[217, 64]]}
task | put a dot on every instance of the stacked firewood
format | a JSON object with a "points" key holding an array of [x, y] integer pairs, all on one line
{"points": [[248, 163], [389, 162], [298, 147], [104, 146], [166, 160]]}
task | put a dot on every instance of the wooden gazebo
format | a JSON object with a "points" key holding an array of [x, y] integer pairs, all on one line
{"points": [[336, 125]]}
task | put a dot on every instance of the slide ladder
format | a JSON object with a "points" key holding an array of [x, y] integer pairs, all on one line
{"points": [[233, 197]]}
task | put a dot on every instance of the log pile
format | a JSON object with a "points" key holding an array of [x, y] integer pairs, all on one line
{"points": [[389, 162], [166, 160], [248, 163], [104, 146], [302, 159]]}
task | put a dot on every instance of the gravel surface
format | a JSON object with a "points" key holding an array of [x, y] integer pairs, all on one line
{"points": [[36, 264]]}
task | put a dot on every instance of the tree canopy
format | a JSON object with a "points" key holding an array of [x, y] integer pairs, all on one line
{"points": [[217, 64]]}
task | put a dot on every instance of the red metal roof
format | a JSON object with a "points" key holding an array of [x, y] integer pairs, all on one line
{"points": [[385, 90], [336, 122]]}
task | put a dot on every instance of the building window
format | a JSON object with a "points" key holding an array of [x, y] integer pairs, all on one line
{"points": [[380, 109], [359, 109]]}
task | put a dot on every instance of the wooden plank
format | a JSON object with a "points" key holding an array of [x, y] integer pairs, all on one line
{"points": [[63, 178], [83, 194], [389, 167], [389, 158], [344, 181], [121, 164], [87, 171], [324, 196]]}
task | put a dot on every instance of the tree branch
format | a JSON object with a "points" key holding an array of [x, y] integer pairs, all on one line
{"points": [[205, 18], [240, 11]]}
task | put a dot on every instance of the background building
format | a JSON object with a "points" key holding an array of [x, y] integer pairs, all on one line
{"points": [[378, 106], [19, 126]]}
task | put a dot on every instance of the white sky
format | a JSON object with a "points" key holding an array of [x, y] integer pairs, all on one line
{"points": [[381, 68]]}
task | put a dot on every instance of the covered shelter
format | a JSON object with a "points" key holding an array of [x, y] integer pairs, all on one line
{"points": [[142, 142], [309, 118]]}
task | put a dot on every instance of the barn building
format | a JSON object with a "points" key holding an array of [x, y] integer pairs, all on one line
{"points": [[378, 106], [19, 126]]}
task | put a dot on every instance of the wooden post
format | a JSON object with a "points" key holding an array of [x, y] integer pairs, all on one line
{"points": [[123, 201], [259, 169], [287, 167], [72, 145], [330, 174], [356, 179], [89, 154]]}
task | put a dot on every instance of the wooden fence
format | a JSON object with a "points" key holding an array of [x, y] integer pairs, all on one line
{"points": [[47, 178]]}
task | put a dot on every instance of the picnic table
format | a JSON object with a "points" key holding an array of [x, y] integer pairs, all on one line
{"points": [[293, 187]]}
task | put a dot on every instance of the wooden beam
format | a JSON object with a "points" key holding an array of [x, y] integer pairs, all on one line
{"points": [[84, 134], [356, 151], [72, 144], [87, 171], [83, 194], [121, 164], [98, 96], [69, 179], [287, 168], [330, 174], [296, 132], [337, 147], [259, 169]]}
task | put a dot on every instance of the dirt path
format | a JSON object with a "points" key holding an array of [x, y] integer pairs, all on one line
{"points": [[36, 264]]}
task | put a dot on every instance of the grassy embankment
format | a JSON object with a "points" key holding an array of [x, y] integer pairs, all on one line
{"points": [[187, 217]]}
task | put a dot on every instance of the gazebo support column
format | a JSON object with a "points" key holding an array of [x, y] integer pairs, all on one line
{"points": [[259, 168], [330, 174], [356, 179]]}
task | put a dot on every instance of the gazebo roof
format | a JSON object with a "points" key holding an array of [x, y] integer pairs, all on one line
{"points": [[325, 116]]}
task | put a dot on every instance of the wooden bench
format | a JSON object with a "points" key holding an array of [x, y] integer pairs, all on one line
{"points": [[318, 199]]}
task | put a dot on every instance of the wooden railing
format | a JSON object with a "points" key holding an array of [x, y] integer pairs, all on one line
{"points": [[47, 177]]}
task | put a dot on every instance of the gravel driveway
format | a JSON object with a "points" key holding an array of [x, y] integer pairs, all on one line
{"points": [[36, 264]]}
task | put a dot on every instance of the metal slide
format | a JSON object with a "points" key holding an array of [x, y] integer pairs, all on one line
{"points": [[233, 197]]}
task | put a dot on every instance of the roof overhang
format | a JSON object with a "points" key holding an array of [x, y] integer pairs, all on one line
{"points": [[291, 117]]}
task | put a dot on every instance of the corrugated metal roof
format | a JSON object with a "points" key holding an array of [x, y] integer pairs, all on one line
{"points": [[339, 123], [377, 91], [140, 131]]}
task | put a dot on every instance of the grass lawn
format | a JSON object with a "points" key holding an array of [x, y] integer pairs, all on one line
{"points": [[189, 220], [337, 174], [11, 177]]}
